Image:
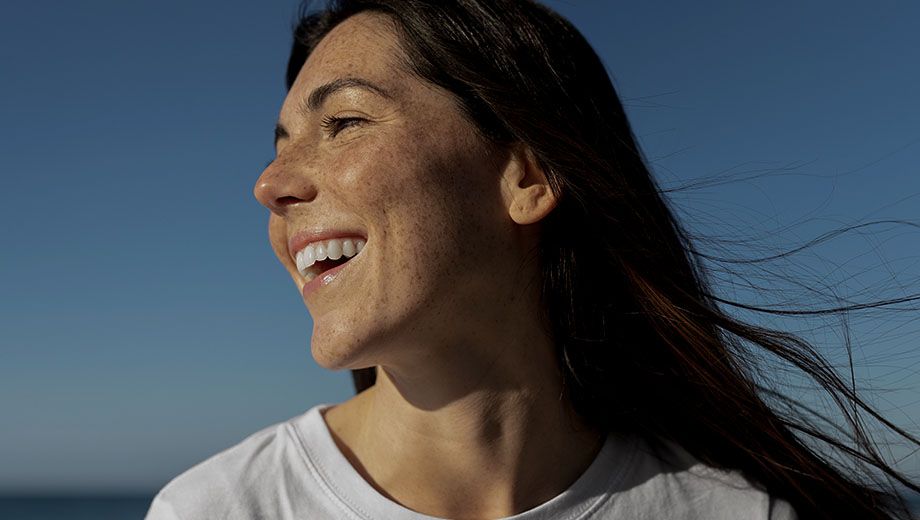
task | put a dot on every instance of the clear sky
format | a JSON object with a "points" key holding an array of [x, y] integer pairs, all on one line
{"points": [[145, 323]]}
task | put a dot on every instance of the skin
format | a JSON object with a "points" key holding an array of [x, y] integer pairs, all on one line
{"points": [[465, 420]]}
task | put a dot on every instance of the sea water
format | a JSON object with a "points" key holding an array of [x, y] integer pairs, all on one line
{"points": [[74, 508]]}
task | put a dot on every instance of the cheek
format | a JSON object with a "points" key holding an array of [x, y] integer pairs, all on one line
{"points": [[277, 235], [436, 203], [430, 198], [458, 195]]}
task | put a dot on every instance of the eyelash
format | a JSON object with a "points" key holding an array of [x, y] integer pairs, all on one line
{"points": [[334, 125]]}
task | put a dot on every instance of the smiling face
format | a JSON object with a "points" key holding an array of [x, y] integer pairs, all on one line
{"points": [[410, 175]]}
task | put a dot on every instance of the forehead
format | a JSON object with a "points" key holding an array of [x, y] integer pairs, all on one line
{"points": [[364, 45]]}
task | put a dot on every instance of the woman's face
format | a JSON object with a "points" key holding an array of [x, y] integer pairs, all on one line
{"points": [[410, 176]]}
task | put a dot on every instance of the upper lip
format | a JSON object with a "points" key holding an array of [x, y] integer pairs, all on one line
{"points": [[301, 239]]}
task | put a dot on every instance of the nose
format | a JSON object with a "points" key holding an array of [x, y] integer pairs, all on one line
{"points": [[280, 187]]}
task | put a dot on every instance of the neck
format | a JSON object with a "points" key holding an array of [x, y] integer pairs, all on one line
{"points": [[489, 446], [468, 420]]}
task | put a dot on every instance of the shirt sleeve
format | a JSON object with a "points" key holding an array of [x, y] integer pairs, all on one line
{"points": [[160, 509], [781, 510]]}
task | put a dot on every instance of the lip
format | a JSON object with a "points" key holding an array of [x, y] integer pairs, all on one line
{"points": [[299, 240], [324, 278]]}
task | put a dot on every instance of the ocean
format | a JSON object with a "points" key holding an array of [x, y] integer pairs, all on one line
{"points": [[74, 508]]}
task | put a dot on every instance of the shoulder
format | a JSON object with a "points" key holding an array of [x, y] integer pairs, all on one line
{"points": [[232, 482], [667, 482]]}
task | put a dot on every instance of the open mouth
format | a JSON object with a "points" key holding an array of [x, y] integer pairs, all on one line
{"points": [[319, 257], [320, 267]]}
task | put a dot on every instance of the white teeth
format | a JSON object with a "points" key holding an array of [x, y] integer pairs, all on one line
{"points": [[333, 249], [299, 259]]}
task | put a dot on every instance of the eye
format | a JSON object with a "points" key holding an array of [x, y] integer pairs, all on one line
{"points": [[333, 125]]}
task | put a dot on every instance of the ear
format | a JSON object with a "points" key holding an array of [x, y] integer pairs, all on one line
{"points": [[525, 189]]}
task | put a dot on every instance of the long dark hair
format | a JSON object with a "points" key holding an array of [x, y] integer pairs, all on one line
{"points": [[641, 340]]}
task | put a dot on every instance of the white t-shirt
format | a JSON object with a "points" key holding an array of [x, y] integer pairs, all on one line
{"points": [[294, 470]]}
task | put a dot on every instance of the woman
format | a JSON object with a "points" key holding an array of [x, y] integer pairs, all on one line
{"points": [[458, 196]]}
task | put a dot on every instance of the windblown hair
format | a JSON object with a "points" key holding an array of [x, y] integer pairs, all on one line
{"points": [[641, 341]]}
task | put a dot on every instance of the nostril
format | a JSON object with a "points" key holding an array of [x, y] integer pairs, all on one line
{"points": [[286, 201]]}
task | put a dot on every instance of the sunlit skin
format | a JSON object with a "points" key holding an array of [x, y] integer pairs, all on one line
{"points": [[465, 420]]}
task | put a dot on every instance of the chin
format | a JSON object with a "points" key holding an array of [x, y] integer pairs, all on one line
{"points": [[337, 352]]}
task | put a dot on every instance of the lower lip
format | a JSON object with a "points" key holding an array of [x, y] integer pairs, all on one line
{"points": [[322, 280]]}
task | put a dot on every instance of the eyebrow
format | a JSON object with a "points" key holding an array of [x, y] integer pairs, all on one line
{"points": [[319, 95]]}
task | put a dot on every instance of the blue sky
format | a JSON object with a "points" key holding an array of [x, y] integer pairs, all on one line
{"points": [[145, 323]]}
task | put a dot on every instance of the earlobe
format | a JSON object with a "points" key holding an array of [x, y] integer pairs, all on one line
{"points": [[529, 195]]}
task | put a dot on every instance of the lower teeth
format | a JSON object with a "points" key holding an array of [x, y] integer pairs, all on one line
{"points": [[322, 266]]}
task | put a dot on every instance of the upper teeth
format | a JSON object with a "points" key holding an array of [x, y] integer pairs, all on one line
{"points": [[332, 249]]}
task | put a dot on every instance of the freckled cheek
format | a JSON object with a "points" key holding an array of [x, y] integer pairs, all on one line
{"points": [[382, 174], [435, 239], [366, 171], [380, 184], [277, 235], [415, 194]]}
